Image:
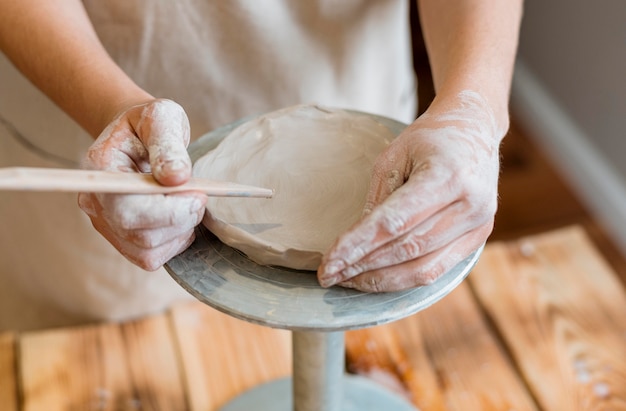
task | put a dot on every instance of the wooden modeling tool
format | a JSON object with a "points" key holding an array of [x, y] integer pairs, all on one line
{"points": [[93, 181]]}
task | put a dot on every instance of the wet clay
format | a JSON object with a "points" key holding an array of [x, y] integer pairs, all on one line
{"points": [[318, 161]]}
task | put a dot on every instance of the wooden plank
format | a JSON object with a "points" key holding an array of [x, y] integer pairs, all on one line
{"points": [[153, 361], [394, 356], [106, 367], [8, 383], [223, 356], [473, 368], [73, 369], [562, 313], [452, 360]]}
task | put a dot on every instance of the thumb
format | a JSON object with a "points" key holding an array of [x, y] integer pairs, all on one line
{"points": [[388, 174], [163, 127]]}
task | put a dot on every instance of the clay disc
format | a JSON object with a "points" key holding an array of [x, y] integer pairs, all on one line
{"points": [[318, 161], [225, 279]]}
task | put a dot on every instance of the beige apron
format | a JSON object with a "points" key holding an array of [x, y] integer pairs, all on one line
{"points": [[221, 60]]}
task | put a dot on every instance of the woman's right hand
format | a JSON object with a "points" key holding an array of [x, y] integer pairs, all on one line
{"points": [[147, 229]]}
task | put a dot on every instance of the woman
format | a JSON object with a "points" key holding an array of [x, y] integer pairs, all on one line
{"points": [[145, 77]]}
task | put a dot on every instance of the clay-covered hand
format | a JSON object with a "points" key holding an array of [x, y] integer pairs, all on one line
{"points": [[432, 201], [147, 229]]}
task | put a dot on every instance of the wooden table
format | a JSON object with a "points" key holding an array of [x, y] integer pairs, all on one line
{"points": [[539, 325]]}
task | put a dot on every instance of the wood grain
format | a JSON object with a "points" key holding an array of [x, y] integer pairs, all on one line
{"points": [[74, 369], [8, 383], [394, 356], [103, 367], [445, 356], [152, 358], [223, 356], [562, 313], [472, 367]]}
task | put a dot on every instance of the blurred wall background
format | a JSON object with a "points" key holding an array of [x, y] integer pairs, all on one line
{"points": [[569, 91]]}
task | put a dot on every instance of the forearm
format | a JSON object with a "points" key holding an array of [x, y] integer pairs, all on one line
{"points": [[471, 46], [54, 44]]}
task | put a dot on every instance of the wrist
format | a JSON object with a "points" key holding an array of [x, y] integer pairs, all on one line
{"points": [[475, 104], [116, 106]]}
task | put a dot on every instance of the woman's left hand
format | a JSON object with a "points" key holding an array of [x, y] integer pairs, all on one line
{"points": [[432, 201]]}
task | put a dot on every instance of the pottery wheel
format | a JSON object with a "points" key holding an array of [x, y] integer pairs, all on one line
{"points": [[228, 281]]}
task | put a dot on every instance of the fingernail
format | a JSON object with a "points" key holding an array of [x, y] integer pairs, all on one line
{"points": [[196, 204], [174, 166], [329, 281], [351, 271], [347, 284], [333, 267]]}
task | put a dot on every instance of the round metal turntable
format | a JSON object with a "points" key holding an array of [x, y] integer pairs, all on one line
{"points": [[277, 297]]}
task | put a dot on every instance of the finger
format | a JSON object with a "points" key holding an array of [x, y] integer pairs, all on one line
{"points": [[117, 149], [151, 259], [402, 211], [156, 237], [421, 271], [88, 203], [137, 228], [386, 177], [434, 233], [164, 129], [143, 212], [128, 153], [148, 253]]}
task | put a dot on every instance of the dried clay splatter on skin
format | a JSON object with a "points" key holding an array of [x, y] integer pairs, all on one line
{"points": [[116, 149], [168, 127], [460, 152], [394, 217], [132, 222], [475, 110]]}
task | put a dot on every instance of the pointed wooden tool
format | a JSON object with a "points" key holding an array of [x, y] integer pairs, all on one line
{"points": [[93, 181]]}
